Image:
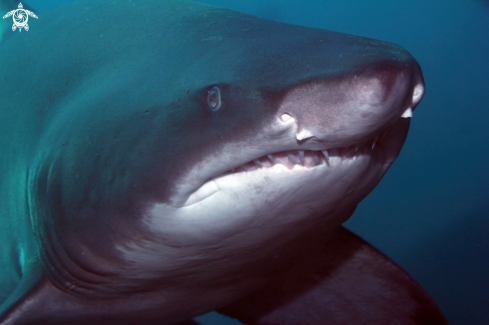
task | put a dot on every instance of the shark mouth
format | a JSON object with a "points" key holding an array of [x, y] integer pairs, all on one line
{"points": [[304, 158], [381, 148], [327, 158]]}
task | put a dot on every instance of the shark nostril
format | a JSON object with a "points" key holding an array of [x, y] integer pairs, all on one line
{"points": [[285, 117]]}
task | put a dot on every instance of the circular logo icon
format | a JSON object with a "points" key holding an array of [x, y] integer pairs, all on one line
{"points": [[20, 17]]}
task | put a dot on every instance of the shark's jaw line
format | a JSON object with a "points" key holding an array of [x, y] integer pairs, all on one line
{"points": [[305, 158], [292, 160]]}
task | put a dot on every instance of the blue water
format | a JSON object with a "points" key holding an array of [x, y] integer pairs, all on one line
{"points": [[431, 211]]}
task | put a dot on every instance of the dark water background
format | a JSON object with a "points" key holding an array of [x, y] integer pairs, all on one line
{"points": [[431, 211]]}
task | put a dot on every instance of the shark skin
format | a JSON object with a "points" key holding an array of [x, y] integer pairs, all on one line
{"points": [[164, 159]]}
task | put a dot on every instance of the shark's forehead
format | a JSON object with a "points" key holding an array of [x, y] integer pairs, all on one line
{"points": [[256, 52]]}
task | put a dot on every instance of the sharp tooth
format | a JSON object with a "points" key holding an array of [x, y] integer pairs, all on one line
{"points": [[326, 155], [292, 157], [375, 142], [356, 149], [407, 113], [301, 157], [315, 157], [257, 163]]}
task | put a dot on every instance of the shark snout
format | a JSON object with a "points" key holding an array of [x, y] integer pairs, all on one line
{"points": [[347, 109]]}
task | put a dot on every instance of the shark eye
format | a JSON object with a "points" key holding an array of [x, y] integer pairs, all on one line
{"points": [[214, 99]]}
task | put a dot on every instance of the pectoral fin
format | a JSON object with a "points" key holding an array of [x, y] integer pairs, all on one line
{"points": [[347, 282]]}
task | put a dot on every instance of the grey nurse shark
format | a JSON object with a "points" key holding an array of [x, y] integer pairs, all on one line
{"points": [[164, 159]]}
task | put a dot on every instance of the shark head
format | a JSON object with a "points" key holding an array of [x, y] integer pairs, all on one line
{"points": [[291, 129], [199, 160]]}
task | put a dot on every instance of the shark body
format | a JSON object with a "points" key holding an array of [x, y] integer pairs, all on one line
{"points": [[161, 160]]}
